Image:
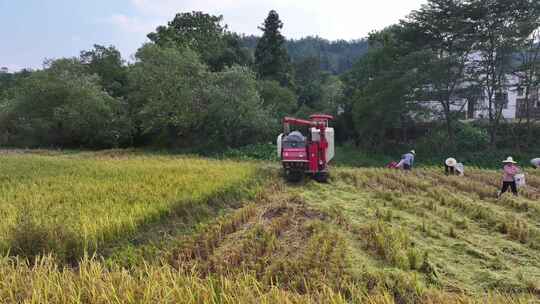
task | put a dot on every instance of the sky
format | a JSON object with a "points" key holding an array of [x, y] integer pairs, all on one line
{"points": [[33, 30]]}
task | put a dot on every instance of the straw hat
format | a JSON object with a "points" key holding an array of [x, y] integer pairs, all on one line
{"points": [[509, 160], [413, 152], [450, 162]]}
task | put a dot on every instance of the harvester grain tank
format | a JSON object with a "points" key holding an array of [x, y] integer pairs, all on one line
{"points": [[306, 154]]}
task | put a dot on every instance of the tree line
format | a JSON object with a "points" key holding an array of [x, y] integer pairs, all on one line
{"points": [[197, 84], [438, 57], [193, 85], [335, 57]]}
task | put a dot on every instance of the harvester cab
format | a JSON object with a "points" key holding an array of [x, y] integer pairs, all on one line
{"points": [[306, 154]]}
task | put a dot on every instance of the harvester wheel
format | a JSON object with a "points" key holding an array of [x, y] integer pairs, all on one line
{"points": [[321, 177]]}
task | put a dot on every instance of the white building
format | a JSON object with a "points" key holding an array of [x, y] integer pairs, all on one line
{"points": [[513, 101]]}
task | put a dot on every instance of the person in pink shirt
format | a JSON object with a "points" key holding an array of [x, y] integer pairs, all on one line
{"points": [[510, 170]]}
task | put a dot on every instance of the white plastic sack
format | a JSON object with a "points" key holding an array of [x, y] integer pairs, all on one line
{"points": [[460, 168], [520, 180]]}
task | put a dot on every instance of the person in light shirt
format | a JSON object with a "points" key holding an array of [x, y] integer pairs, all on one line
{"points": [[452, 167], [407, 161], [510, 170], [535, 162]]}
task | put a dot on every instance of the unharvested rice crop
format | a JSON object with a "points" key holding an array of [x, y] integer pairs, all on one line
{"points": [[69, 205]]}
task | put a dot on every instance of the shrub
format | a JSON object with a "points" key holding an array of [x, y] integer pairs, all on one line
{"points": [[467, 138], [62, 106], [471, 138]]}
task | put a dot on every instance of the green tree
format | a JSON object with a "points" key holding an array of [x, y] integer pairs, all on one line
{"points": [[336, 57], [279, 101], [107, 63], [63, 106], [271, 58], [9, 83], [236, 114], [6, 81], [332, 91], [167, 94], [500, 28], [203, 33], [380, 88], [177, 100], [308, 82], [317, 90], [528, 73], [442, 30]]}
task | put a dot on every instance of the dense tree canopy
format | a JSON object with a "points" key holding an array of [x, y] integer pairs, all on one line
{"points": [[236, 114], [167, 92], [177, 99], [107, 63], [443, 31], [381, 97], [501, 27], [203, 33], [335, 57], [280, 101], [62, 106]]}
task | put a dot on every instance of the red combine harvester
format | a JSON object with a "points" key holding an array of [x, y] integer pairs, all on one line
{"points": [[306, 154]]}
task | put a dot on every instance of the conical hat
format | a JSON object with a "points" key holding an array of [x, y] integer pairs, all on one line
{"points": [[509, 160], [450, 162]]}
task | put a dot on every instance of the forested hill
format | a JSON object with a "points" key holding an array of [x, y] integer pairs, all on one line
{"points": [[335, 56]]}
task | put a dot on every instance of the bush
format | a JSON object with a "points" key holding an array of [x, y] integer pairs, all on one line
{"points": [[175, 97], [470, 138], [467, 138], [236, 115], [281, 101], [62, 106]]}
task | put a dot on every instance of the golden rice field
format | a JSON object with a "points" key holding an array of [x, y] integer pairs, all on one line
{"points": [[72, 204], [173, 229]]}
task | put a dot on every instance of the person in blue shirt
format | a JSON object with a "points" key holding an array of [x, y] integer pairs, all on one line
{"points": [[407, 160]]}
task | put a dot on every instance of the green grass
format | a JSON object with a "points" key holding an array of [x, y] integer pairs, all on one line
{"points": [[183, 229]]}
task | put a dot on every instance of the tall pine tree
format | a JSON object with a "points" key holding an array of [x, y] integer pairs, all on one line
{"points": [[271, 59]]}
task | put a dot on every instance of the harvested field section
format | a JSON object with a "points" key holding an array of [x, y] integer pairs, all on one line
{"points": [[279, 241], [446, 230]]}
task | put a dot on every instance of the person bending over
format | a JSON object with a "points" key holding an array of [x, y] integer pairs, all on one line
{"points": [[407, 160], [452, 167]]}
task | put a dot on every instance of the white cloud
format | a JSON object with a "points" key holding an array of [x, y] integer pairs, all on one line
{"points": [[12, 67], [168, 8], [335, 19], [346, 19], [131, 24]]}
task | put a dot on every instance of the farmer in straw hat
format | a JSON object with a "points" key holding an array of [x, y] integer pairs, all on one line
{"points": [[451, 166], [510, 170]]}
